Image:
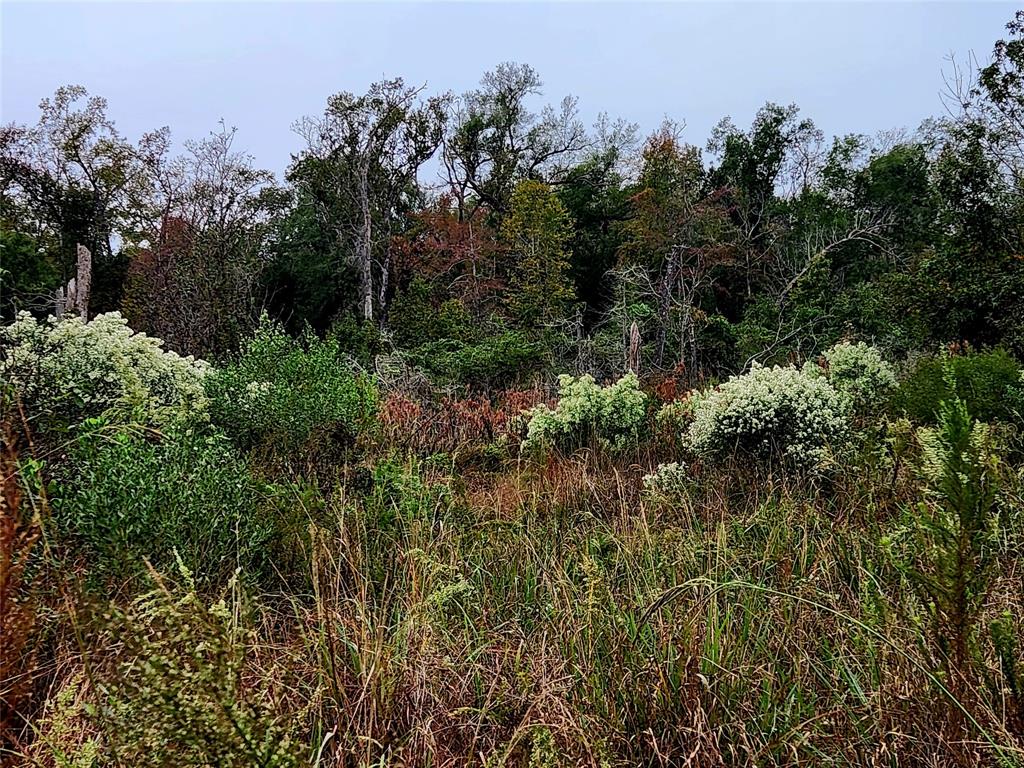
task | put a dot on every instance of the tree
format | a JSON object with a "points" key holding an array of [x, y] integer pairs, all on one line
{"points": [[458, 257], [595, 195], [678, 236], [194, 280], [497, 141], [989, 101], [310, 279], [359, 168], [77, 181], [537, 231]]}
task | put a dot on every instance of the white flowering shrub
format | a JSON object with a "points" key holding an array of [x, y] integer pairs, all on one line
{"points": [[586, 411], [67, 370], [770, 413], [859, 373], [668, 480]]}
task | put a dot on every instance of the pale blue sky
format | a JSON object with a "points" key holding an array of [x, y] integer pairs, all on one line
{"points": [[850, 66]]}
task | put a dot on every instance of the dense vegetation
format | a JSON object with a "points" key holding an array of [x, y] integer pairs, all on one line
{"points": [[600, 451]]}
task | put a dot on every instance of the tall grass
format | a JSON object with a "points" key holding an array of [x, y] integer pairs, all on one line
{"points": [[555, 614]]}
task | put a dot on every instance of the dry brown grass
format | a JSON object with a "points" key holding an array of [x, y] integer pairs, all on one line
{"points": [[552, 613]]}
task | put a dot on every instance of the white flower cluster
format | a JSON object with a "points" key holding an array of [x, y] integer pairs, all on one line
{"points": [[667, 480], [70, 369], [612, 415], [859, 373], [770, 412]]}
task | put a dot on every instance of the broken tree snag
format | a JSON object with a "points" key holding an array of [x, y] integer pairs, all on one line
{"points": [[633, 354], [84, 284], [60, 301], [65, 298]]}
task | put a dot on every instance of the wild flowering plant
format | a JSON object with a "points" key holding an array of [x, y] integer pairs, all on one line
{"points": [[778, 412], [80, 369], [612, 415], [859, 373], [667, 480]]}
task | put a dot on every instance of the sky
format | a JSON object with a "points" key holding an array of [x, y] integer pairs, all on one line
{"points": [[260, 66]]}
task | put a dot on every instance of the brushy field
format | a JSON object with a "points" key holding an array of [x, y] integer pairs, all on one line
{"points": [[429, 594]]}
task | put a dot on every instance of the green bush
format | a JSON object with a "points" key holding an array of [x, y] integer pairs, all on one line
{"points": [[288, 394], [497, 361], [770, 413], [180, 687], [415, 318], [987, 383], [586, 412], [128, 495], [357, 339], [64, 371]]}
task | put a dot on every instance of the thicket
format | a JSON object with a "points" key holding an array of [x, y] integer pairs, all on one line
{"points": [[291, 395], [988, 382]]}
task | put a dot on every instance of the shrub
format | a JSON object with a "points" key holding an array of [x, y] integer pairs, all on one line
{"points": [[178, 686], [859, 374], [288, 393], [497, 361], [586, 411], [403, 491], [985, 381], [770, 413], [67, 370], [415, 318], [127, 496]]}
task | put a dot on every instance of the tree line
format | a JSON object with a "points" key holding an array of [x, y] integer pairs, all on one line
{"points": [[486, 238]]}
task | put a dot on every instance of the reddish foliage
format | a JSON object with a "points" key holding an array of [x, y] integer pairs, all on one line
{"points": [[669, 386], [451, 424], [151, 285], [461, 255]]}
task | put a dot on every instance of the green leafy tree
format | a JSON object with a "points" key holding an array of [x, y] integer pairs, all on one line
{"points": [[537, 231], [74, 179], [359, 169], [596, 197], [310, 279]]}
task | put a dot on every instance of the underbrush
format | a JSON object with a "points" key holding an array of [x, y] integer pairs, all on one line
{"points": [[555, 614], [518, 580]]}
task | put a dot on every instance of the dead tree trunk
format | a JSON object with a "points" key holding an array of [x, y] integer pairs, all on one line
{"points": [[74, 297], [83, 287], [364, 241], [64, 297], [633, 353]]}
